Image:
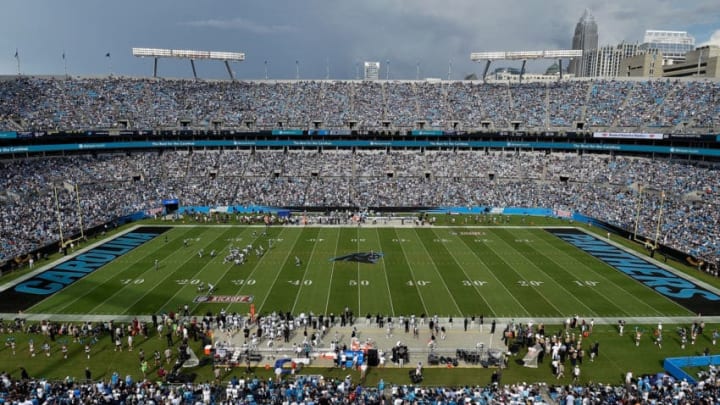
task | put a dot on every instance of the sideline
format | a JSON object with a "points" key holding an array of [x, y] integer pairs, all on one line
{"points": [[360, 323]]}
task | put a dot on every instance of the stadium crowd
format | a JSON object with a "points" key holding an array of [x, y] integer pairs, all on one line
{"points": [[19, 387], [610, 188], [40, 104], [317, 390]]}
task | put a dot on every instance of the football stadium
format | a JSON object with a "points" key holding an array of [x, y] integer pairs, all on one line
{"points": [[458, 232], [358, 241]]}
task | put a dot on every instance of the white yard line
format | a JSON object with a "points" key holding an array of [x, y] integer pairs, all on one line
{"points": [[412, 274], [302, 280], [332, 273], [387, 281], [467, 277], [257, 266], [437, 270], [287, 257], [610, 282], [487, 268], [163, 279], [532, 264]]}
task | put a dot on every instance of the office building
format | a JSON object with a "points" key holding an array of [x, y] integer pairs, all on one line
{"points": [[648, 64], [672, 44], [701, 62], [585, 39], [605, 61]]}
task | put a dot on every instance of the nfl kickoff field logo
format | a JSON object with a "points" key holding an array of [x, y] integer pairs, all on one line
{"points": [[224, 299], [361, 257]]}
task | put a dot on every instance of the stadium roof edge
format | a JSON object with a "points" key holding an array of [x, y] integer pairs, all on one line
{"points": [[573, 79]]}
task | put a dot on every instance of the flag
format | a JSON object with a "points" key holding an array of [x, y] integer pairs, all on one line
{"points": [[63, 55], [16, 54], [107, 55]]}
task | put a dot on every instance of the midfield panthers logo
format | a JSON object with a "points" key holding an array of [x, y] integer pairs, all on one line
{"points": [[362, 257]]}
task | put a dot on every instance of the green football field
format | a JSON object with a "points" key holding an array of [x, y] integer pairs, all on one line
{"points": [[491, 271]]}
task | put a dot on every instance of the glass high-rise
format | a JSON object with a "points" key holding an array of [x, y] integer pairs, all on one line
{"points": [[673, 44], [585, 39]]}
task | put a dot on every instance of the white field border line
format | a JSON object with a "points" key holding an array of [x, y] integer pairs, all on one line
{"points": [[597, 274], [538, 270], [385, 273], [437, 271], [492, 273], [195, 276], [305, 272], [467, 277], [364, 226], [255, 268], [287, 257], [64, 259], [150, 269], [332, 273], [357, 270], [87, 292], [611, 320], [412, 273], [520, 277]]}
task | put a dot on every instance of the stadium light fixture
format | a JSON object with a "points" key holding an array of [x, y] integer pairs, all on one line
{"points": [[520, 55], [188, 54], [488, 57], [157, 53]]}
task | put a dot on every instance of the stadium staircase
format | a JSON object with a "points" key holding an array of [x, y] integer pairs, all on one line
{"points": [[510, 108], [545, 394], [325, 118], [621, 107], [446, 116], [351, 101], [416, 97], [241, 175], [384, 102], [690, 120], [353, 175], [11, 124], [547, 107], [660, 107], [583, 110]]}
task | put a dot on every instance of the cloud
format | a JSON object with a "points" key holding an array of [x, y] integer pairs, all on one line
{"points": [[407, 32], [240, 24], [714, 39]]}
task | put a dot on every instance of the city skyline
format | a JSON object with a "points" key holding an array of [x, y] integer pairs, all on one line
{"points": [[315, 39]]}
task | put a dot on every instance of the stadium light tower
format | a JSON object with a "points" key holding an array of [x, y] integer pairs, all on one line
{"points": [[157, 53], [523, 56]]}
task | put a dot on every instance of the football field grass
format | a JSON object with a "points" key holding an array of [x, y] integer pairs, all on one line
{"points": [[449, 271]]}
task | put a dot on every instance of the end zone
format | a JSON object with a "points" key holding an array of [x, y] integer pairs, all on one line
{"points": [[680, 289], [39, 286]]}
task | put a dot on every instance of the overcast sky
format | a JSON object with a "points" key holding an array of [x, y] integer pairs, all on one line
{"points": [[322, 35]]}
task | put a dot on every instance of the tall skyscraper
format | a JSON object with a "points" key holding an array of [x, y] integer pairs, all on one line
{"points": [[585, 39]]}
